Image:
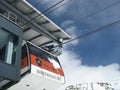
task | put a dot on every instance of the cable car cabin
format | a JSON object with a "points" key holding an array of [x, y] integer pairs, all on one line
{"points": [[40, 70]]}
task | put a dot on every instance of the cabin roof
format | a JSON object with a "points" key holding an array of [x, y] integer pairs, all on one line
{"points": [[38, 29]]}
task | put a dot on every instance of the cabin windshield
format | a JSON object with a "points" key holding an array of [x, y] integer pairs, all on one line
{"points": [[42, 54]]}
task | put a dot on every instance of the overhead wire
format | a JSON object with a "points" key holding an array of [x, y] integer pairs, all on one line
{"points": [[91, 32], [96, 12], [44, 11], [98, 29], [100, 10], [48, 10], [68, 1], [52, 8]]}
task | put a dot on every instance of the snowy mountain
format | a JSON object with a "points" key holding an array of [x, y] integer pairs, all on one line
{"points": [[94, 86]]}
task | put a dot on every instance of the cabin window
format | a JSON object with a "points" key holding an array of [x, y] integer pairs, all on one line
{"points": [[42, 54], [10, 49], [8, 45]]}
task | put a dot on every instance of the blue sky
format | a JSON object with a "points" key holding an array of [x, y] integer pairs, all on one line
{"points": [[99, 52], [101, 48]]}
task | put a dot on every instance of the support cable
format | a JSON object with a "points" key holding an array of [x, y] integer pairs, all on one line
{"points": [[91, 32], [44, 12]]}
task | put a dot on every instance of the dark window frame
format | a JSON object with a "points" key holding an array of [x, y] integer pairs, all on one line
{"points": [[11, 71]]}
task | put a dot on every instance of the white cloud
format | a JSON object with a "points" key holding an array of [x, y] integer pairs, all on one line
{"points": [[71, 29], [67, 23], [76, 73]]}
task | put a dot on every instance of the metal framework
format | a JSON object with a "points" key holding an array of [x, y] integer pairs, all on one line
{"points": [[38, 30], [23, 21]]}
